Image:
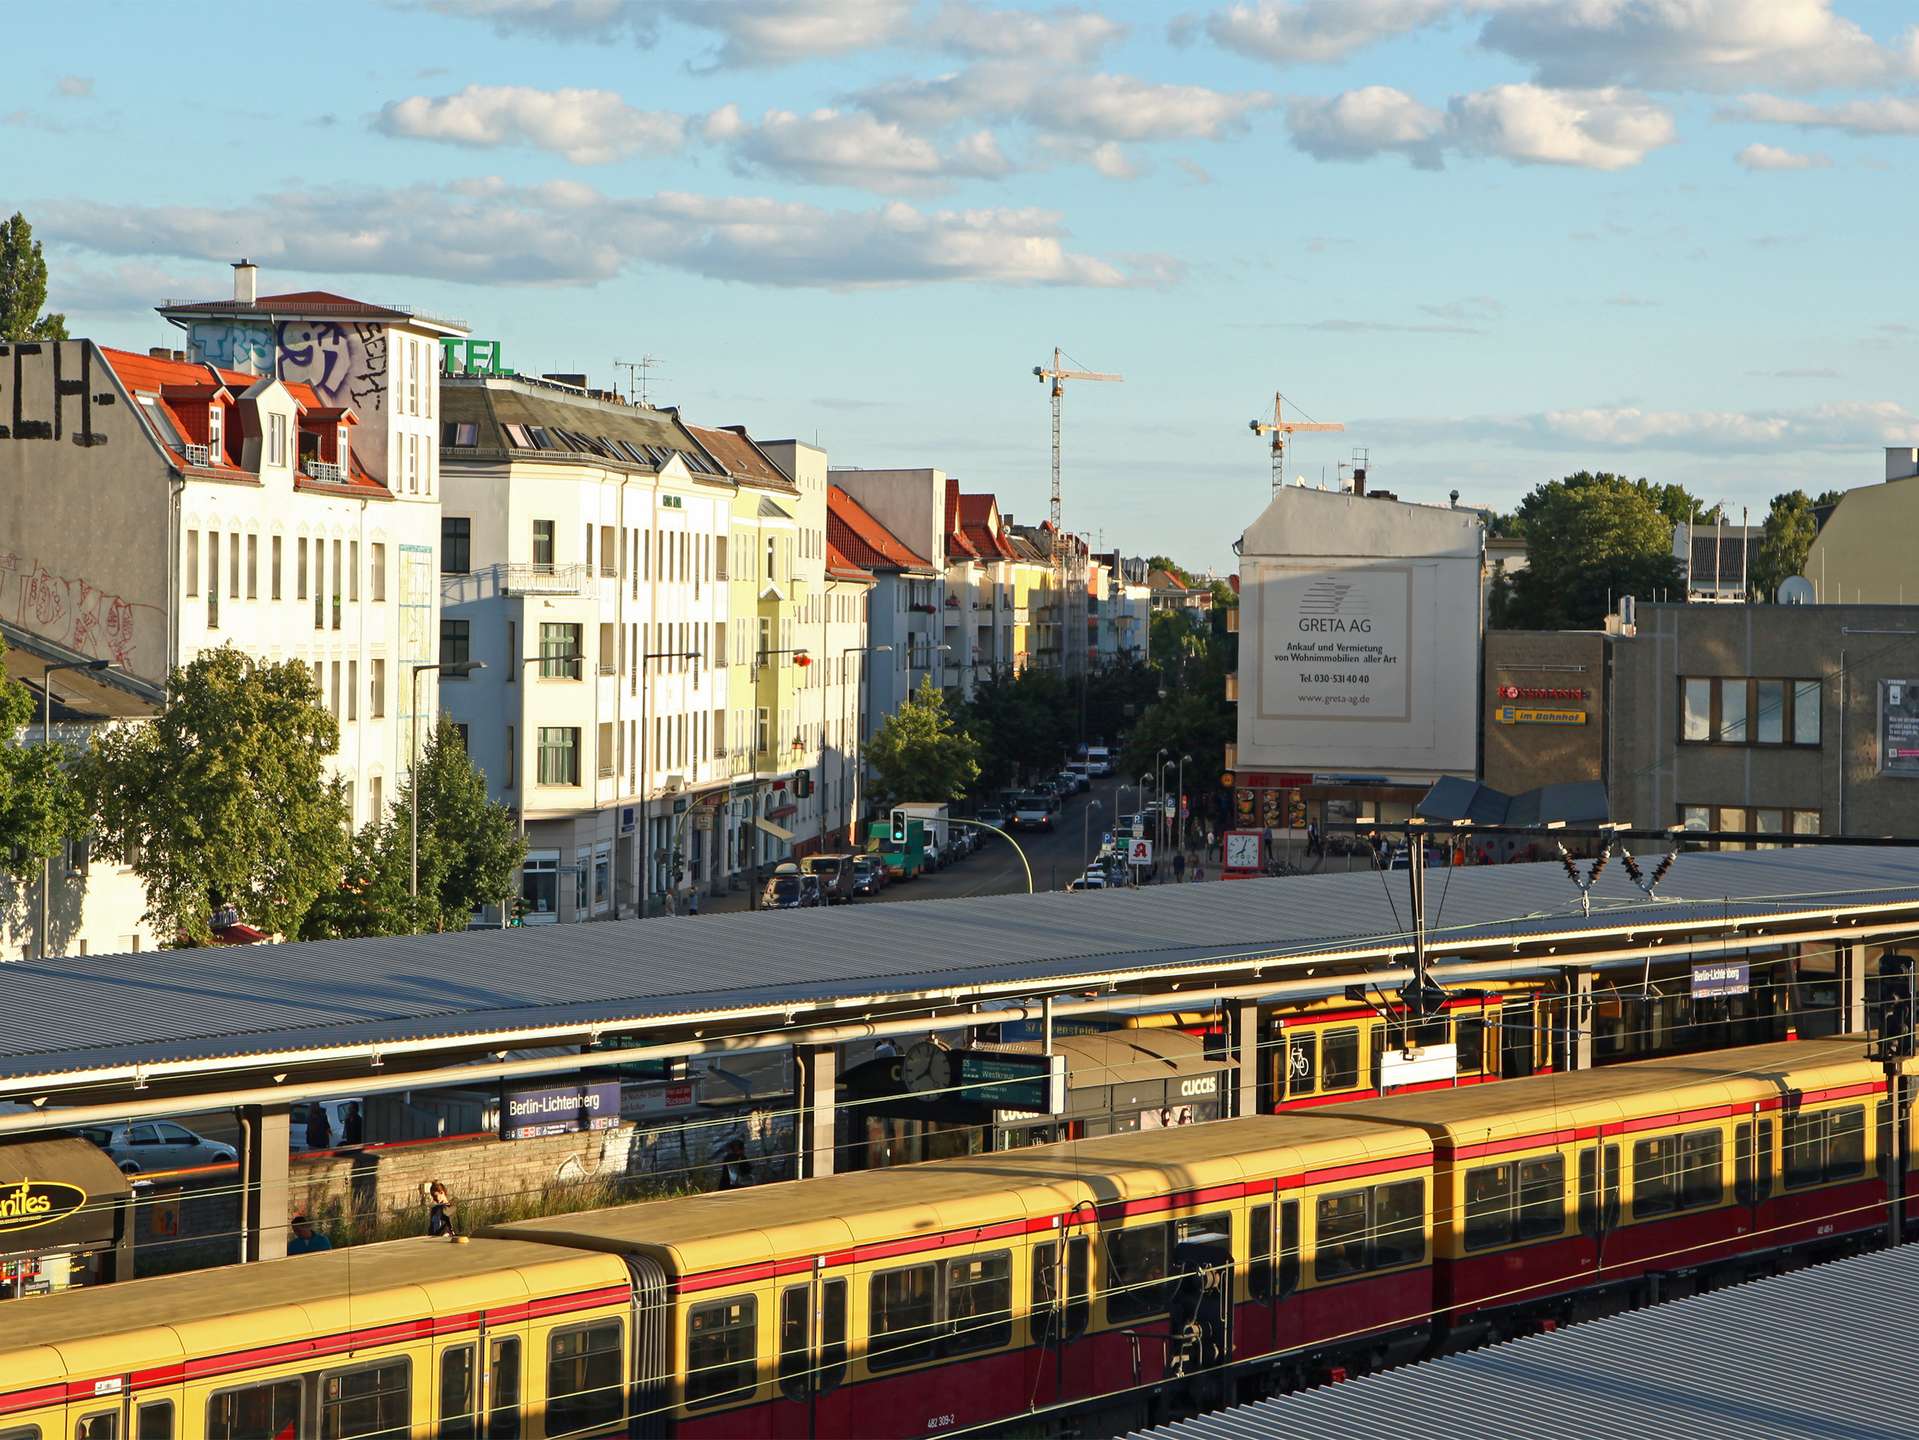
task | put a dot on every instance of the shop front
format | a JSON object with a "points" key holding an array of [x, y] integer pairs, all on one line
{"points": [[66, 1216]]}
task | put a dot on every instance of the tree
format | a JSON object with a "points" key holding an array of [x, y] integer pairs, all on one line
{"points": [[225, 796], [469, 847], [1020, 723], [23, 286], [1161, 562], [1589, 538], [40, 805], [1784, 541], [921, 753]]}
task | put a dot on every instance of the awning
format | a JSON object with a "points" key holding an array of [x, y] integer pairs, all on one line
{"points": [[58, 1193], [778, 832]]}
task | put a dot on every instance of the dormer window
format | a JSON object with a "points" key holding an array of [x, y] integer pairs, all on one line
{"points": [[216, 432]]}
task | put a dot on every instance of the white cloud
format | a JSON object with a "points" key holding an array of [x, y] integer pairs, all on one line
{"points": [[1885, 116], [128, 287], [750, 32], [1771, 157], [588, 127], [1360, 124], [1591, 129], [1069, 36], [1312, 32], [1847, 425], [601, 20], [837, 147], [1094, 107], [565, 233], [1686, 44], [74, 87]]}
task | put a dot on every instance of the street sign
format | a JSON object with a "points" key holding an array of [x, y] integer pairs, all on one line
{"points": [[1032, 1084], [1139, 852]]}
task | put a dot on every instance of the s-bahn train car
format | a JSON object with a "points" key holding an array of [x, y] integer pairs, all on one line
{"points": [[1133, 1275]]}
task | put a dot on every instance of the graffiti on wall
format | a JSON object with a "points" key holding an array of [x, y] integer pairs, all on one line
{"points": [[345, 364], [234, 344], [74, 612], [60, 411]]}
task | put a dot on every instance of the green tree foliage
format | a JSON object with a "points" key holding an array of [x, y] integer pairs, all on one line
{"points": [[1588, 537], [23, 286], [1784, 541], [1161, 562], [40, 805], [1225, 597], [226, 796], [1021, 723], [1117, 694], [920, 752]]}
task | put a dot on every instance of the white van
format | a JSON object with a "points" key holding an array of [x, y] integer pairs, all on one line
{"points": [[1099, 760]]}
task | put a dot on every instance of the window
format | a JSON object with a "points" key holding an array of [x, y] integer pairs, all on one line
{"points": [[373, 798], [1302, 1062], [457, 1409], [102, 1426], [1469, 1035], [903, 1315], [276, 568], [336, 584], [979, 1302], [300, 556], [1775, 820], [276, 439], [1590, 1209], [832, 1366], [216, 433], [1289, 1247], [543, 545], [512, 759], [1341, 1059], [1701, 1182], [1655, 1189], [377, 575], [1805, 712], [1360, 1230], [1341, 1235], [353, 689], [333, 701], [1135, 1282], [796, 1342], [1769, 712], [540, 882], [559, 651], [376, 689], [1752, 1174], [253, 567], [1737, 710], [583, 1377], [1259, 1253], [255, 1410], [213, 578], [456, 545], [233, 568], [455, 641], [154, 1421], [720, 1344], [559, 755]]}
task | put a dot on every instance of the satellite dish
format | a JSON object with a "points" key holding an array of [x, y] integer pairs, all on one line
{"points": [[1796, 590]]}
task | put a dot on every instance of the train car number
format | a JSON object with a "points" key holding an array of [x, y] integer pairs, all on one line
{"points": [[942, 1422], [1826, 1229]]}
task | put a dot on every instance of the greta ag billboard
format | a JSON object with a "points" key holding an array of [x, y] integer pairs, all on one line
{"points": [[1360, 668]]}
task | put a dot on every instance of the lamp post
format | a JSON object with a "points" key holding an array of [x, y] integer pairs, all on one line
{"points": [[1086, 835], [1179, 803], [1159, 811], [46, 738], [1142, 788], [646, 773], [459, 669], [802, 658], [859, 762]]}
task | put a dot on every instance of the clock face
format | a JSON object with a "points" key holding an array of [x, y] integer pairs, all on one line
{"points": [[1242, 851], [924, 1067]]}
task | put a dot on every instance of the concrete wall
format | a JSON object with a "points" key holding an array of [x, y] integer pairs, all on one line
{"points": [[1521, 753], [1654, 773]]}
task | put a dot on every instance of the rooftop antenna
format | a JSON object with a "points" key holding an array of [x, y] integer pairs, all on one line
{"points": [[636, 378]]}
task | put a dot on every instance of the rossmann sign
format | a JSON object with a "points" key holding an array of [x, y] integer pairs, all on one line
{"points": [[33, 1203]]}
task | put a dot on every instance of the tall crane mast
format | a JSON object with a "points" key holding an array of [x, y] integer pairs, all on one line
{"points": [[1059, 375], [1279, 428]]}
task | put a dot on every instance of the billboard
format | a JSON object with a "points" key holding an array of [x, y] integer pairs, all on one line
{"points": [[1898, 728], [1338, 644]]}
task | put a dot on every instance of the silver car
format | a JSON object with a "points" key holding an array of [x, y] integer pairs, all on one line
{"points": [[147, 1145]]}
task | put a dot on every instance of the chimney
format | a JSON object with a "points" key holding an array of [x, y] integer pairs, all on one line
{"points": [[1902, 462], [246, 282], [1359, 480]]}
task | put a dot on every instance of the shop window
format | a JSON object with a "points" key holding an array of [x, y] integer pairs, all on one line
{"points": [[583, 1377], [720, 1350]]}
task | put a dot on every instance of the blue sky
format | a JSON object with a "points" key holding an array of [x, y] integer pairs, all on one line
{"points": [[1501, 239]]}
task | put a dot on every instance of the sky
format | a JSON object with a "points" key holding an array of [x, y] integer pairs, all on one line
{"points": [[1501, 240]]}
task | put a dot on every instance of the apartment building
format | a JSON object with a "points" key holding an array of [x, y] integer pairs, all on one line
{"points": [[1038, 615], [992, 593], [1125, 611], [903, 612]]}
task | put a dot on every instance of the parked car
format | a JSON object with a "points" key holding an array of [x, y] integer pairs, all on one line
{"points": [[936, 854], [992, 815], [1048, 790], [836, 876], [1074, 781], [142, 1146], [1032, 812], [869, 875], [789, 889], [1093, 879]]}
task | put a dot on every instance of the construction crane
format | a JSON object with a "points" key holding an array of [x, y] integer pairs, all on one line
{"points": [[1279, 427], [1059, 375]]}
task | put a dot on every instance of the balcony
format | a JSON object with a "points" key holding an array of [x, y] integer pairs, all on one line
{"points": [[548, 579], [326, 472], [1232, 619], [198, 454]]}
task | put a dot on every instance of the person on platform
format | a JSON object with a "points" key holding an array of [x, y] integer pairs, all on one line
{"points": [[1179, 867], [319, 1130], [352, 1125], [305, 1240], [693, 902], [735, 1173]]}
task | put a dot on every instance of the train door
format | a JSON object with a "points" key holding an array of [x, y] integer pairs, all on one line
{"points": [[1060, 1313], [812, 1363], [476, 1387], [1516, 1038], [1598, 1197]]}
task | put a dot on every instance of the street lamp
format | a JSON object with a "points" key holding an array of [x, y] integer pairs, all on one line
{"points": [[852, 793], [646, 774], [1179, 804], [801, 658], [459, 669], [1144, 781], [46, 738], [1086, 835], [1159, 811]]}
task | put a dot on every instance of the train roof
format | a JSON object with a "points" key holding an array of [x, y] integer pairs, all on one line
{"points": [[1540, 1104], [138, 1323], [771, 1223]]}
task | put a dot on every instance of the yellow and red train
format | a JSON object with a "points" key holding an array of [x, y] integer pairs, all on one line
{"points": [[1027, 1287]]}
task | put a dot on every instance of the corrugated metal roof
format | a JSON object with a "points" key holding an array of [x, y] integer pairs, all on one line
{"points": [[87, 1012], [1814, 1354]]}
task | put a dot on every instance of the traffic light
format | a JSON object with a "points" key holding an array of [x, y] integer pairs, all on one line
{"points": [[1895, 1029], [899, 827]]}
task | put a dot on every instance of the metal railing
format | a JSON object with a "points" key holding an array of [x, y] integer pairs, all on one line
{"points": [[539, 579], [198, 454], [326, 471]]}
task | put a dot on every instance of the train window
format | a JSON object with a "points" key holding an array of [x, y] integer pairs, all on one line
{"points": [[1339, 1069], [154, 1421], [1542, 1197], [458, 1413], [1399, 1224], [1079, 1281], [255, 1410], [1302, 1062], [1375, 1050], [1288, 1247], [1655, 1187], [903, 1309], [1805, 1147], [796, 1341], [1754, 1182], [1469, 1035], [1589, 1190], [1339, 1234], [1489, 1206], [583, 1376], [1043, 1307], [721, 1343], [1701, 1181], [832, 1334], [104, 1426], [1846, 1142], [979, 1302], [369, 1402], [503, 1376], [1221, 1224], [1135, 1281], [1259, 1247], [21, 1432]]}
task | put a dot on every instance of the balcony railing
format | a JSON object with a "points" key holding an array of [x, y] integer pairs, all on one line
{"points": [[1232, 687], [548, 579], [326, 472], [198, 454]]}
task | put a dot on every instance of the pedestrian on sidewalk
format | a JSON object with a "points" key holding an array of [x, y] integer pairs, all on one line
{"points": [[1179, 868], [693, 902], [670, 902], [1199, 869]]}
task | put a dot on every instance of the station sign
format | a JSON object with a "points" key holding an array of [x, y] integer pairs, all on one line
{"points": [[1025, 1084], [1716, 978], [1014, 1031], [526, 1113]]}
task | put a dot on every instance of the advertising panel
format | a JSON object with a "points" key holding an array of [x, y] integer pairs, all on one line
{"points": [[1338, 644], [1898, 728]]}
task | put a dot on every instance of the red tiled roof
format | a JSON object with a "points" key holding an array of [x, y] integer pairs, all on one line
{"points": [[956, 538], [742, 458], [979, 522], [150, 372], [862, 539], [837, 565]]}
